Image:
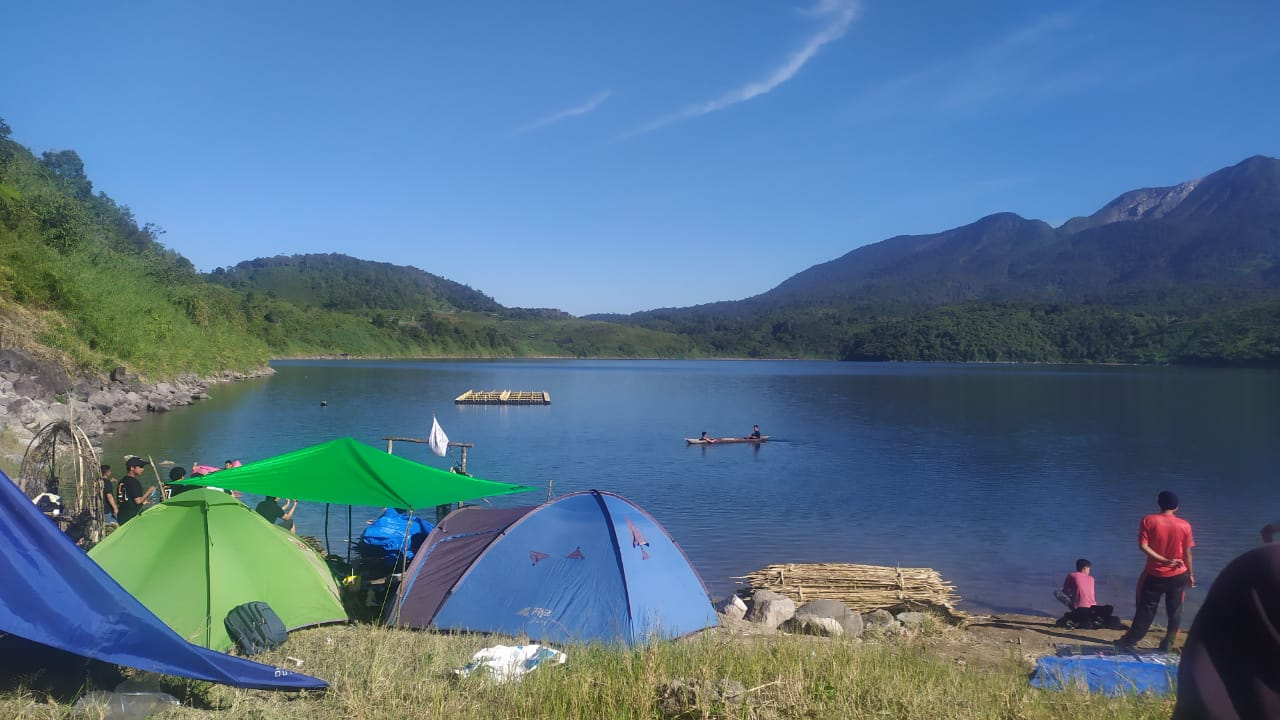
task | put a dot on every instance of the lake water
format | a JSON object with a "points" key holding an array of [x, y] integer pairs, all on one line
{"points": [[997, 476]]}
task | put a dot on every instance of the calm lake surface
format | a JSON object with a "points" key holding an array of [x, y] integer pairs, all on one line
{"points": [[998, 476]]}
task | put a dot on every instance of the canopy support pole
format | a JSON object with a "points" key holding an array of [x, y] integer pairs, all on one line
{"points": [[208, 579], [327, 549]]}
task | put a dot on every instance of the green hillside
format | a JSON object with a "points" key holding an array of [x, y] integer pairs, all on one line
{"points": [[81, 280]]}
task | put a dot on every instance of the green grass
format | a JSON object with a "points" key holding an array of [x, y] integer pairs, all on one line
{"points": [[379, 673]]}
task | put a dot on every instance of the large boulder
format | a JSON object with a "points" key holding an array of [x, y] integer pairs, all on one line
{"points": [[831, 618], [732, 607], [812, 625], [106, 399], [769, 608], [880, 619], [38, 379]]}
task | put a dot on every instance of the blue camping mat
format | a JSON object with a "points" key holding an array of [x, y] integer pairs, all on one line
{"points": [[1107, 671]]}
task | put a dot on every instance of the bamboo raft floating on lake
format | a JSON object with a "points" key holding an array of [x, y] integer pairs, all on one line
{"points": [[862, 587], [503, 397]]}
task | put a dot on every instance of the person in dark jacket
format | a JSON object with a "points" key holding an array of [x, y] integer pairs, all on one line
{"points": [[1230, 666]]}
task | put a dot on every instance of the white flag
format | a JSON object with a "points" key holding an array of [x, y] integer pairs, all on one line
{"points": [[438, 441]]}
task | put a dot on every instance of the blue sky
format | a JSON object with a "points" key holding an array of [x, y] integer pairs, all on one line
{"points": [[615, 157]]}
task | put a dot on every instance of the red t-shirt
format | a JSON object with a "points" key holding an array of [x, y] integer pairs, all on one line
{"points": [[1079, 585], [1168, 535]]}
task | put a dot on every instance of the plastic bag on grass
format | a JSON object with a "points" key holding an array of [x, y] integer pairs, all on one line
{"points": [[122, 705], [505, 662]]}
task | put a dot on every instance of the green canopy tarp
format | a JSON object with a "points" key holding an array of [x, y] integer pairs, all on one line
{"points": [[346, 472], [194, 557]]}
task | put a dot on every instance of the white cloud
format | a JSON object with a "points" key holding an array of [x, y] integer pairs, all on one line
{"points": [[839, 14], [575, 111]]}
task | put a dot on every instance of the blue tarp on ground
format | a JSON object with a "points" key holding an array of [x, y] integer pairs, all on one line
{"points": [[53, 594], [1108, 673]]}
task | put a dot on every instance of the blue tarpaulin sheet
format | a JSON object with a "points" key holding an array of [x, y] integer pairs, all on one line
{"points": [[53, 594], [1108, 673]]}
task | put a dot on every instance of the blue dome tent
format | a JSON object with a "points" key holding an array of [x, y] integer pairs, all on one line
{"points": [[584, 567]]}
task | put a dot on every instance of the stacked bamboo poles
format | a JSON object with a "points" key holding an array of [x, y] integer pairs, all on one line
{"points": [[862, 587]]}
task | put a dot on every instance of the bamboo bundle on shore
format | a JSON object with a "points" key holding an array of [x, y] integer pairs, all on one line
{"points": [[862, 587]]}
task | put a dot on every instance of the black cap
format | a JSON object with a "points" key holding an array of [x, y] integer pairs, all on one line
{"points": [[1168, 500], [135, 461]]}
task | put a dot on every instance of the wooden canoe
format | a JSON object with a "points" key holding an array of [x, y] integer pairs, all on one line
{"points": [[726, 440]]}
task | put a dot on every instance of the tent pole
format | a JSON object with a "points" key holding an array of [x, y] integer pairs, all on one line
{"points": [[327, 550], [348, 534], [208, 578]]}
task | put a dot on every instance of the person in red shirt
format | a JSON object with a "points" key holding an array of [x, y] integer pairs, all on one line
{"points": [[1166, 541]]}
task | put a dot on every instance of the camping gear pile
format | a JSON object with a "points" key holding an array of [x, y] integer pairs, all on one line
{"points": [[862, 587], [391, 540]]}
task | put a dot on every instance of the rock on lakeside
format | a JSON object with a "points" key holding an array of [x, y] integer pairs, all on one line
{"points": [[35, 392]]}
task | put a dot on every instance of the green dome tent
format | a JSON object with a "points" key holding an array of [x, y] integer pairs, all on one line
{"points": [[194, 557]]}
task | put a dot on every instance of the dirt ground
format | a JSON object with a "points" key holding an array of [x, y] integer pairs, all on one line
{"points": [[989, 640]]}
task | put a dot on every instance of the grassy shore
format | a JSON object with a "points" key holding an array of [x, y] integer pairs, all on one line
{"points": [[379, 673]]}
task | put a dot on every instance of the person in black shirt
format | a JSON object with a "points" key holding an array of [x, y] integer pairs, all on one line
{"points": [[109, 506], [133, 494], [271, 510]]}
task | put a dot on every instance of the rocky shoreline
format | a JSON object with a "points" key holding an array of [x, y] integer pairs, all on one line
{"points": [[36, 392]]}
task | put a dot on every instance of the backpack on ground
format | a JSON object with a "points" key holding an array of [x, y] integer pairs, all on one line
{"points": [[255, 628]]}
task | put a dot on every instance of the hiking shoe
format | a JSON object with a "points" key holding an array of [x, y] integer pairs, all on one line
{"points": [[1164, 645], [1124, 645]]}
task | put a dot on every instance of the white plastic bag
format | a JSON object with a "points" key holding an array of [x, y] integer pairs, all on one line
{"points": [[505, 662]]}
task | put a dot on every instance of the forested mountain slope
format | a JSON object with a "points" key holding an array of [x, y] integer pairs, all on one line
{"points": [[81, 280], [1189, 273]]}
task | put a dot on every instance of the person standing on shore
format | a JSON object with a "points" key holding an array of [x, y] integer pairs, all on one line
{"points": [[133, 496], [1166, 541], [109, 506]]}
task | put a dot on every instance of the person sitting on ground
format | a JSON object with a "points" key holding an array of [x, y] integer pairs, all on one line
{"points": [[133, 496], [1083, 609], [706, 439], [271, 510], [755, 433]]}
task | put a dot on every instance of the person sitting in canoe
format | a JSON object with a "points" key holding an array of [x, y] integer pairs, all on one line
{"points": [[705, 439], [755, 433]]}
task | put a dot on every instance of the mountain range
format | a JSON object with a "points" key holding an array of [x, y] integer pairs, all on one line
{"points": [[1207, 241]]}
